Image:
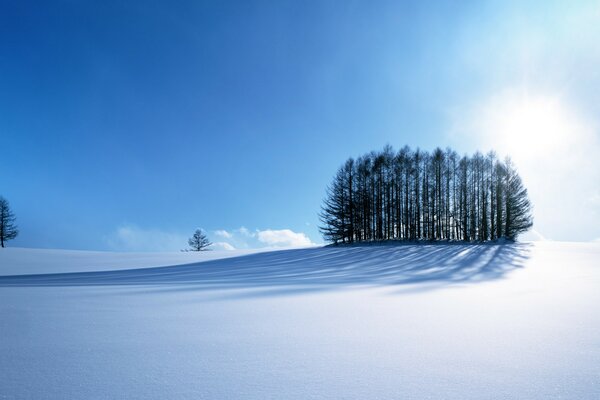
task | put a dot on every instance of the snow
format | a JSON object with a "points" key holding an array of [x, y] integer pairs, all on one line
{"points": [[448, 321], [21, 261]]}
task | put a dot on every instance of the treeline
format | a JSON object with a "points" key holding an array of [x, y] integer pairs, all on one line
{"points": [[415, 195]]}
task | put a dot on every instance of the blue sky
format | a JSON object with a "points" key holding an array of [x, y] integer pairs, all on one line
{"points": [[125, 125]]}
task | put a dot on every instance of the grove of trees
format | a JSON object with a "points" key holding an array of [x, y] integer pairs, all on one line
{"points": [[8, 228], [414, 195]]}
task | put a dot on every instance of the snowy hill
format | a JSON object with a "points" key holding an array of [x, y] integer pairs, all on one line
{"points": [[448, 321], [22, 261]]}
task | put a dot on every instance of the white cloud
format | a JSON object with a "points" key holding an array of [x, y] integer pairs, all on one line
{"points": [[244, 238], [222, 246], [244, 231], [283, 238], [223, 233], [130, 237]]}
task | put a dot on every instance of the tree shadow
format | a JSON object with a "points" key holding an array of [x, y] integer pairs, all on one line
{"points": [[323, 268]]}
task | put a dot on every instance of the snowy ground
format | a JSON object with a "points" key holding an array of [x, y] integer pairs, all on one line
{"points": [[412, 322], [19, 261]]}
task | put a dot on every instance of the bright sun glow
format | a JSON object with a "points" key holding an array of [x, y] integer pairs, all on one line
{"points": [[554, 147], [530, 126]]}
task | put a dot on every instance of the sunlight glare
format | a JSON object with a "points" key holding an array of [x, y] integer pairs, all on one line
{"points": [[531, 126], [554, 146]]}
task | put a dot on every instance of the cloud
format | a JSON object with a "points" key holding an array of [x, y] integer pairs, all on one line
{"points": [[244, 231], [130, 237], [244, 238], [283, 238], [223, 233], [222, 246]]}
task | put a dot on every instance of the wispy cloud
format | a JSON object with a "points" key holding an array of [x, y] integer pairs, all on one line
{"points": [[129, 237], [245, 232], [244, 238], [222, 246], [223, 233]]}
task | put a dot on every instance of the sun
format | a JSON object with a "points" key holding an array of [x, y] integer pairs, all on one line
{"points": [[552, 143], [527, 126], [533, 125]]}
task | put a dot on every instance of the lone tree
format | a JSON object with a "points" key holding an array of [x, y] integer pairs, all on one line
{"points": [[8, 229], [199, 241]]}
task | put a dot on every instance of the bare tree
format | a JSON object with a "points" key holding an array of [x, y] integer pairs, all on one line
{"points": [[8, 229], [199, 241], [336, 212], [517, 204]]}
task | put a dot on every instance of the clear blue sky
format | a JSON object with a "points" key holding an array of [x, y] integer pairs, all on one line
{"points": [[124, 123]]}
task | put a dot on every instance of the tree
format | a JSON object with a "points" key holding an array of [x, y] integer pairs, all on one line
{"points": [[8, 229], [518, 206], [335, 214], [199, 241]]}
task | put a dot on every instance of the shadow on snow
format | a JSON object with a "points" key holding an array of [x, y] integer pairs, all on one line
{"points": [[316, 268]]}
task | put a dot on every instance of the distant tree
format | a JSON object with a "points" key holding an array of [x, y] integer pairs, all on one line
{"points": [[199, 241], [8, 229]]}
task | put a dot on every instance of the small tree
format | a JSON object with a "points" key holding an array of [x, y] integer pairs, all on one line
{"points": [[8, 229], [199, 241]]}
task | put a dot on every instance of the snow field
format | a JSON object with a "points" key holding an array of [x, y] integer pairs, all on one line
{"points": [[410, 321]]}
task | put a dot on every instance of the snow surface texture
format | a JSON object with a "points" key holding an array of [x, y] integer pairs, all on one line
{"points": [[518, 321]]}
